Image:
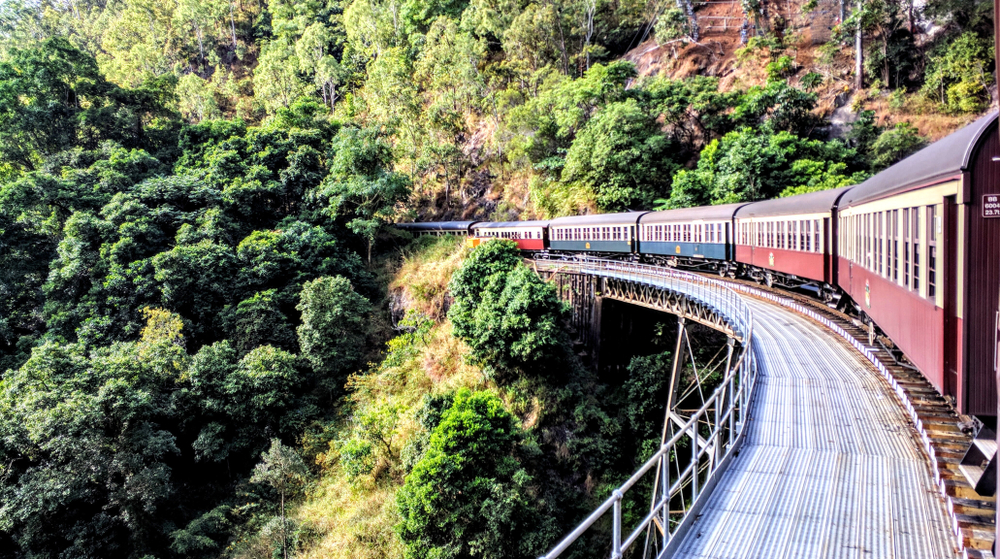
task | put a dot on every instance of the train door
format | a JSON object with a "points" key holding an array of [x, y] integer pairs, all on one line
{"points": [[952, 325]]}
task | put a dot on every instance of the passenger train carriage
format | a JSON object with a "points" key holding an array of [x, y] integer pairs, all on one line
{"points": [[528, 235], [604, 233], [916, 250], [692, 237], [787, 240], [921, 257]]}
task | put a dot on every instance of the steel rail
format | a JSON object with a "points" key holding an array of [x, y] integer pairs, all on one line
{"points": [[728, 406]]}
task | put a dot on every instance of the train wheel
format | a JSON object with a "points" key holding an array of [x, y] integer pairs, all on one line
{"points": [[768, 279]]}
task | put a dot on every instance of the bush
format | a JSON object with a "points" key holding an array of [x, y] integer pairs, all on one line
{"points": [[781, 68], [510, 318], [468, 496], [895, 143], [812, 80], [623, 156], [968, 59], [967, 97], [673, 24]]}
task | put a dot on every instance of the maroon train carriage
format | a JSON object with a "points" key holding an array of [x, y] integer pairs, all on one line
{"points": [[528, 235], [789, 241], [920, 255]]}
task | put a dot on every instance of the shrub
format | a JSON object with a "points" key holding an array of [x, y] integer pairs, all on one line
{"points": [[781, 68], [510, 318], [969, 58], [468, 496], [967, 97], [812, 80], [895, 143]]}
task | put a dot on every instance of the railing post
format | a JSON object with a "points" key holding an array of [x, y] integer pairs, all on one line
{"points": [[665, 492], [694, 460], [732, 411], [616, 531], [717, 436]]}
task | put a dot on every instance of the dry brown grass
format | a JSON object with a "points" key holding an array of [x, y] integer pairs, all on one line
{"points": [[356, 518], [422, 279], [356, 521]]}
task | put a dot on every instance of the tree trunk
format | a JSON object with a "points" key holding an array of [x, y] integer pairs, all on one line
{"points": [[284, 548], [232, 26], [859, 76]]}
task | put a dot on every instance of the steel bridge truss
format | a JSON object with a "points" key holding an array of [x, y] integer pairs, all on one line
{"points": [[705, 414]]}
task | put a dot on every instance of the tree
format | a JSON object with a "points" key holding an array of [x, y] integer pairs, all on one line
{"points": [[468, 496], [362, 189], [510, 318], [283, 469], [53, 98], [334, 326], [623, 156], [748, 165]]}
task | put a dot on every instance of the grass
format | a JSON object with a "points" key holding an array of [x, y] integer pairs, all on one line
{"points": [[355, 517]]}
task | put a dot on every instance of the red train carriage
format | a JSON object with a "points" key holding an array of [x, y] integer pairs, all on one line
{"points": [[919, 253], [788, 241], [529, 235]]}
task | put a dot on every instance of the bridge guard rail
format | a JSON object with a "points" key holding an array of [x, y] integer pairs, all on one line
{"points": [[707, 440]]}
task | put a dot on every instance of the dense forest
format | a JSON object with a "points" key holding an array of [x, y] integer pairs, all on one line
{"points": [[213, 344]]}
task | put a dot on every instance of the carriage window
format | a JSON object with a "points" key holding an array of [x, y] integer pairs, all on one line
{"points": [[931, 251], [906, 247], [915, 223], [879, 240], [891, 248]]}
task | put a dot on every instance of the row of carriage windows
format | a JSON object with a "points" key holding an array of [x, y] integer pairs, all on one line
{"points": [[685, 233], [513, 235], [804, 235], [620, 233], [891, 243]]}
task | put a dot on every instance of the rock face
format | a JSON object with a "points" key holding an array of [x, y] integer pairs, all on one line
{"points": [[818, 25]]}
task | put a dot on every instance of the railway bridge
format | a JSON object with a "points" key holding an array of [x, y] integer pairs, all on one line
{"points": [[814, 443]]}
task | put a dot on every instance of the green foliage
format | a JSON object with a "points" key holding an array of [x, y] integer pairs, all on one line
{"points": [[958, 72], [468, 496], [510, 318], [621, 155], [881, 145], [362, 189], [487, 260], [283, 469], [781, 68], [777, 107], [645, 391], [812, 80], [53, 98], [334, 327], [895, 143], [673, 24], [746, 165], [357, 456], [100, 446]]}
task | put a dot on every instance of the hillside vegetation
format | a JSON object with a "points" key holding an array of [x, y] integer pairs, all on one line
{"points": [[212, 344]]}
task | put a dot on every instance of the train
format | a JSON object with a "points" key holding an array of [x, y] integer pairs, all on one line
{"points": [[914, 251]]}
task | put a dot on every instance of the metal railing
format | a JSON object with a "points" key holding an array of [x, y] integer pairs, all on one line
{"points": [[709, 436], [707, 291]]}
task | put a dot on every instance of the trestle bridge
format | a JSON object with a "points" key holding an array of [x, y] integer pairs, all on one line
{"points": [[800, 439]]}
